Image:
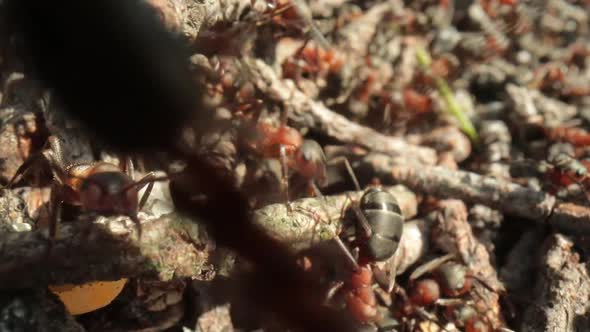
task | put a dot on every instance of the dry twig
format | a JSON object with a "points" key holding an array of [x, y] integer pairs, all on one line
{"points": [[453, 234], [503, 195], [170, 246], [562, 291]]}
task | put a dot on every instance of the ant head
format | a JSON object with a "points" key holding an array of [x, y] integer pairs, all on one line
{"points": [[425, 292], [311, 161], [310, 150], [109, 192], [289, 137], [453, 278]]}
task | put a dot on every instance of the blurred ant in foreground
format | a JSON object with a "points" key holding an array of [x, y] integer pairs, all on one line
{"points": [[98, 187]]}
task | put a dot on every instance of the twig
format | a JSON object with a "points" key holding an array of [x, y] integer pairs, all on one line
{"points": [[454, 234], [313, 114], [358, 34], [170, 247], [309, 225], [562, 290], [503, 195], [85, 252]]}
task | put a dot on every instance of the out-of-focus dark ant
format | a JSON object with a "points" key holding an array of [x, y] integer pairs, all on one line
{"points": [[98, 187]]}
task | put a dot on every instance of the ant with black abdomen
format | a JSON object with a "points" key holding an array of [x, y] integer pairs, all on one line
{"points": [[98, 187]]}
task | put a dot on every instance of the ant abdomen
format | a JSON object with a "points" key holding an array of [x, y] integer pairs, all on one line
{"points": [[384, 216]]}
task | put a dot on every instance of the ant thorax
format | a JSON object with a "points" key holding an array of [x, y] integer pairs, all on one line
{"points": [[107, 192]]}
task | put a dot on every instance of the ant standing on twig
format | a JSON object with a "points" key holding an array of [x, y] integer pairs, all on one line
{"points": [[98, 187], [379, 231]]}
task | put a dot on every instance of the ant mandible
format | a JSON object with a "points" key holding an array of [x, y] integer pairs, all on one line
{"points": [[98, 187]]}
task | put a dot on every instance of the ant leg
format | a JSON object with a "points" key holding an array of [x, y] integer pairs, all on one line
{"points": [[337, 239], [55, 202], [128, 167], [334, 288], [285, 178], [344, 160], [353, 263], [22, 170], [148, 180], [392, 272], [362, 220], [148, 190]]}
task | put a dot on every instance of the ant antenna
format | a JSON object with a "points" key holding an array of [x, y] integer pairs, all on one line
{"points": [[349, 170]]}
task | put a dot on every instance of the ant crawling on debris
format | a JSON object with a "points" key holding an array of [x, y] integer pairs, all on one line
{"points": [[450, 279], [312, 61], [564, 170], [576, 136], [303, 156], [381, 225], [98, 187]]}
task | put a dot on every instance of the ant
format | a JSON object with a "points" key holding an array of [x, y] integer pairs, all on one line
{"points": [[450, 279], [98, 187], [312, 61], [381, 225], [576, 136], [292, 16], [305, 157], [564, 170]]}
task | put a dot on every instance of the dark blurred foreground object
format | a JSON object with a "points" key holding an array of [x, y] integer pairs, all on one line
{"points": [[117, 70], [112, 64]]}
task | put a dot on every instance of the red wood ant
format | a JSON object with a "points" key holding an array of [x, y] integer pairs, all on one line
{"points": [[98, 187], [575, 136], [450, 279], [417, 102], [564, 170], [286, 144], [311, 61], [291, 15], [360, 299]]}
